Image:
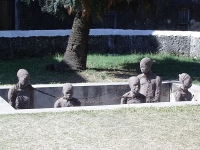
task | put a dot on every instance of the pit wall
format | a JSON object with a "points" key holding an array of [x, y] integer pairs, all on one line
{"points": [[97, 93], [18, 44]]}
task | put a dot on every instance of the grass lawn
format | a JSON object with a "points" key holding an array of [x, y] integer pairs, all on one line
{"points": [[172, 128], [100, 68]]}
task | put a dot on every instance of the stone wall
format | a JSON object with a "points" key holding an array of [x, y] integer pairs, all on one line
{"points": [[19, 44], [19, 47]]}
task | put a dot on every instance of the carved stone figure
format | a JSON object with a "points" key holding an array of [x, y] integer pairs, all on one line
{"points": [[182, 94], [67, 100], [150, 83], [21, 95], [133, 96]]}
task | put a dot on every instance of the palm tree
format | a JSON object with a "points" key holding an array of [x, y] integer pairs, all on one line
{"points": [[76, 53]]}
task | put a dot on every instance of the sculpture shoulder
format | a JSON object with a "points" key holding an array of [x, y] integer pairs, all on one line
{"points": [[179, 90], [59, 100], [158, 78], [58, 103], [14, 87], [126, 95], [178, 93], [140, 76]]}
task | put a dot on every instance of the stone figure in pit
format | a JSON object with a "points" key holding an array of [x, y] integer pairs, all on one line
{"points": [[67, 100], [133, 96], [21, 95], [150, 83], [182, 94]]}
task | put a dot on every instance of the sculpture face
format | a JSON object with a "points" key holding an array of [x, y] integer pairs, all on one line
{"points": [[68, 91], [68, 94], [183, 94], [186, 80], [187, 83], [24, 80], [144, 68], [134, 84], [145, 65], [135, 87]]}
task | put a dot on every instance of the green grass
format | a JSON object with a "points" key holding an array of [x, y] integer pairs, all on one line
{"points": [[100, 68], [171, 128]]}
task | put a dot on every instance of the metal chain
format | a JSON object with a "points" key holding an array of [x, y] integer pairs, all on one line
{"points": [[86, 101], [101, 101], [46, 93], [112, 91]]}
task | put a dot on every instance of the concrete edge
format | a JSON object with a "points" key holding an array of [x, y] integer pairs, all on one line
{"points": [[105, 107], [96, 32], [82, 84], [5, 107]]}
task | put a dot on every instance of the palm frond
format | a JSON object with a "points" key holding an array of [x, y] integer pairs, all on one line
{"points": [[113, 3], [134, 5], [86, 8], [94, 8]]}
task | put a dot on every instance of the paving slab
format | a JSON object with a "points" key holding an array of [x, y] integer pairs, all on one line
{"points": [[5, 107]]}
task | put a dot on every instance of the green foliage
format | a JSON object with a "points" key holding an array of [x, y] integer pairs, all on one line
{"points": [[94, 8]]}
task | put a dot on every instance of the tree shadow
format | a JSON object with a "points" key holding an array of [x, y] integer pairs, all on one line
{"points": [[168, 69], [37, 70]]}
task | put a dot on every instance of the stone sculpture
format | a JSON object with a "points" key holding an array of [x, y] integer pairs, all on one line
{"points": [[133, 96], [67, 100], [182, 94], [150, 83], [21, 95]]}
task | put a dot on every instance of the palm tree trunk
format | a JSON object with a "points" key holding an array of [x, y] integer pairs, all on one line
{"points": [[75, 57]]}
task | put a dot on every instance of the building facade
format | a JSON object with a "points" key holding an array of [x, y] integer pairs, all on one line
{"points": [[176, 15]]}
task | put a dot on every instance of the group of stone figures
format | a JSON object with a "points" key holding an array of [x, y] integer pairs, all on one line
{"points": [[145, 88]]}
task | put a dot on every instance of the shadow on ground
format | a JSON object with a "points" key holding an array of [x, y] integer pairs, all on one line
{"points": [[167, 68], [38, 72]]}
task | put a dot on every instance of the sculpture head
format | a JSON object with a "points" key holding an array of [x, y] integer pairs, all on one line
{"points": [[186, 80], [67, 91], [23, 77], [134, 84], [145, 65]]}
